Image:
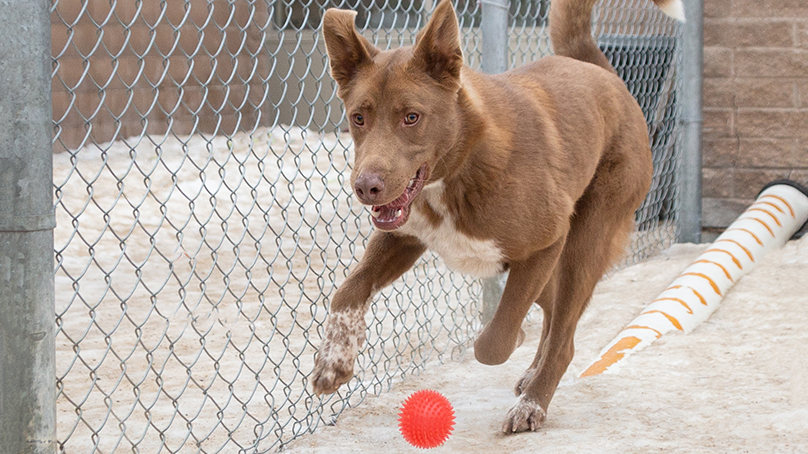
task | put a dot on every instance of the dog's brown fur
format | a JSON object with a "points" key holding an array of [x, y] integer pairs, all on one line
{"points": [[538, 170]]}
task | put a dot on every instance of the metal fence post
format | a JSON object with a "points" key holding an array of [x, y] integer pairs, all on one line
{"points": [[494, 27], [690, 166], [27, 346]]}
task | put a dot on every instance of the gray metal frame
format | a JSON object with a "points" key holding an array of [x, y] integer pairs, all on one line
{"points": [[690, 167], [27, 367]]}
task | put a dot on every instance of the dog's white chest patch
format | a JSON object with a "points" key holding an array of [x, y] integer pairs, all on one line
{"points": [[460, 252]]}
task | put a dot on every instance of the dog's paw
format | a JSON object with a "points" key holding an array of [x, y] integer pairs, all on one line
{"points": [[526, 415], [329, 375], [333, 366], [492, 348]]}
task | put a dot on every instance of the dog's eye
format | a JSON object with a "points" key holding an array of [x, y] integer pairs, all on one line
{"points": [[359, 120], [411, 119]]}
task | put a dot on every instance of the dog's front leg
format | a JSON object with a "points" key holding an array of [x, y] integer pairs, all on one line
{"points": [[386, 258]]}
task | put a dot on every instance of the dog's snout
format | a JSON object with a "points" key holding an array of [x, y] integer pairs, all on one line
{"points": [[369, 187]]}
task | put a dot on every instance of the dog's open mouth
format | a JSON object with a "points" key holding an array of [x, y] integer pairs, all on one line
{"points": [[395, 214]]}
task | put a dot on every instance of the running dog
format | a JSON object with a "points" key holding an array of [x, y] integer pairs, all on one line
{"points": [[537, 171]]}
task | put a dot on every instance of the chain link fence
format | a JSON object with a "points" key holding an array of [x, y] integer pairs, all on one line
{"points": [[204, 220]]}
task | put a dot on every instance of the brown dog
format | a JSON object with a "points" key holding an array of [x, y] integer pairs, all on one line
{"points": [[538, 171]]}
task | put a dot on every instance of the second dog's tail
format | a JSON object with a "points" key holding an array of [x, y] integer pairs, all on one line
{"points": [[571, 28]]}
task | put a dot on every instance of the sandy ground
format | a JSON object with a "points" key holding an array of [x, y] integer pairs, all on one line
{"points": [[737, 383]]}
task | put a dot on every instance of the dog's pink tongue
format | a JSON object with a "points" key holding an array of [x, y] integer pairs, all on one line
{"points": [[392, 215], [387, 214]]}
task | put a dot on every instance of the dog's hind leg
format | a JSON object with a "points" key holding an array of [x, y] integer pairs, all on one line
{"points": [[548, 295], [526, 280], [386, 258], [598, 234]]}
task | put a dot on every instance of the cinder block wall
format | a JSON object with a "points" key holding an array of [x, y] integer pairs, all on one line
{"points": [[755, 101]]}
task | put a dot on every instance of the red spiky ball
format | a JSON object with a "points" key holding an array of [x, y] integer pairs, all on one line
{"points": [[426, 419]]}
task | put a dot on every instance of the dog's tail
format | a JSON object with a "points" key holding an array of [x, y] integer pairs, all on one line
{"points": [[571, 28]]}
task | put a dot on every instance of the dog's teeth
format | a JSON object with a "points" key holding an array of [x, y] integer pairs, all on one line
{"points": [[398, 213], [375, 213]]}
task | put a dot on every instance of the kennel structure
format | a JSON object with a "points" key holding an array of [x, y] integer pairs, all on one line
{"points": [[203, 219]]}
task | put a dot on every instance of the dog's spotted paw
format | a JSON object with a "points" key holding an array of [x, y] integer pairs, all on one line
{"points": [[333, 367], [526, 415], [328, 376]]}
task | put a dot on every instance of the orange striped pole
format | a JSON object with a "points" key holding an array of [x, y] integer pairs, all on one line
{"points": [[779, 211]]}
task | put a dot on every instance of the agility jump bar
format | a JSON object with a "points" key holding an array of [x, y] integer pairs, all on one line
{"points": [[780, 211]]}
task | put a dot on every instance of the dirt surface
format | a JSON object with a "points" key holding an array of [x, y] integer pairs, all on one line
{"points": [[737, 383]]}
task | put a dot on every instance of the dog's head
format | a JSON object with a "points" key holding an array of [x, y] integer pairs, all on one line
{"points": [[402, 108]]}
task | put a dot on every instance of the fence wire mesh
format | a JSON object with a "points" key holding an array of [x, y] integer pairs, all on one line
{"points": [[204, 220]]}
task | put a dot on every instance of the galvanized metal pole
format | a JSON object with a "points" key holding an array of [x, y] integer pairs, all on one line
{"points": [[27, 347], [494, 27], [689, 170]]}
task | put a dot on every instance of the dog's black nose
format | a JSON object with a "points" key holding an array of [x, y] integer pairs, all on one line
{"points": [[369, 187]]}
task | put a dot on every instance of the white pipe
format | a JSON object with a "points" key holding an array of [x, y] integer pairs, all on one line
{"points": [[779, 211]]}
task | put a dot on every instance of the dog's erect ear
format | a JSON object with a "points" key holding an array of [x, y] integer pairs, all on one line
{"points": [[347, 49], [437, 47]]}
